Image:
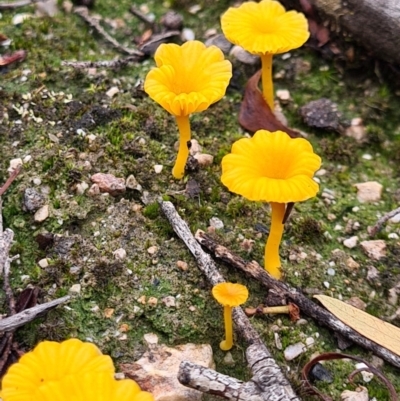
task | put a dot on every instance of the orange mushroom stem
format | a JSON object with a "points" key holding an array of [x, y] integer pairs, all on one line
{"points": [[178, 170], [272, 260], [227, 344], [266, 79]]}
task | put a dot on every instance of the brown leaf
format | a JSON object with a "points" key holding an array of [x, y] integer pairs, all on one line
{"points": [[328, 356], [12, 58], [369, 326], [255, 114], [27, 299]]}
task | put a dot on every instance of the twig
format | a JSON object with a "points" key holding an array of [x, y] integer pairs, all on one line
{"points": [[321, 315], [117, 63], [83, 12], [10, 179], [143, 17], [378, 226], [268, 382], [15, 4], [19, 319]]}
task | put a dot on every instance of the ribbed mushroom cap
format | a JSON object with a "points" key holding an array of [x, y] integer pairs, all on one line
{"points": [[230, 294]]}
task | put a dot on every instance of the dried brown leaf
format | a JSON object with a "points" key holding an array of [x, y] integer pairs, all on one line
{"points": [[369, 326], [12, 58], [255, 114]]}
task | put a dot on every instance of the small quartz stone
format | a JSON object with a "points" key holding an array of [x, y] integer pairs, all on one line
{"points": [[352, 264], [75, 289], [228, 359], [169, 302], [361, 394], [43, 263], [158, 168], [293, 351], [216, 223], [41, 214], [152, 250], [204, 159], [14, 163], [81, 187], [120, 254], [244, 56], [109, 183], [350, 242], [112, 91]]}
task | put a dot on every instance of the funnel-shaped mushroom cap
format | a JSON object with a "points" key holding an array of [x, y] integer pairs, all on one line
{"points": [[271, 167], [265, 27], [188, 78], [49, 362], [230, 294]]}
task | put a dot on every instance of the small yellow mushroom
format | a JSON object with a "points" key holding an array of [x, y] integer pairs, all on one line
{"points": [[229, 295]]}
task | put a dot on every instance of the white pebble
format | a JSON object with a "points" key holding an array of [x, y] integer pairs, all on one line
{"points": [[367, 156], [43, 263], [187, 34], [120, 254], [326, 284], [293, 351], [331, 272], [393, 236], [216, 223], [350, 242], [158, 168], [75, 289]]}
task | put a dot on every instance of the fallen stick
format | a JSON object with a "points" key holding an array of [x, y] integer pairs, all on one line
{"points": [[118, 63], [15, 4], [19, 319], [321, 315], [268, 382], [83, 12], [378, 226]]}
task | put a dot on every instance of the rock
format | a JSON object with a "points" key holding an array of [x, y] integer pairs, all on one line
{"points": [[172, 20], [75, 289], [244, 56], [204, 159], [221, 42], [152, 250], [352, 264], [321, 113], [357, 303], [182, 265], [109, 183], [293, 351], [361, 394], [81, 187], [283, 95], [47, 8], [356, 130], [350, 242], [32, 200], [157, 370], [43, 263], [320, 373], [41, 214], [228, 359], [278, 342], [370, 191], [169, 302], [14, 163], [216, 223], [158, 168], [195, 147], [94, 190], [187, 34], [366, 375], [132, 183], [395, 218], [375, 249], [112, 91], [153, 301], [373, 274], [120, 254], [310, 341]]}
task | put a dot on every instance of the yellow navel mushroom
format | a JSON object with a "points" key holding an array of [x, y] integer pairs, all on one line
{"points": [[265, 28], [229, 295], [187, 79], [272, 167]]}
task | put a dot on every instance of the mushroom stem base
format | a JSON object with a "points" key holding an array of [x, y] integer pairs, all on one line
{"points": [[184, 137], [272, 260]]}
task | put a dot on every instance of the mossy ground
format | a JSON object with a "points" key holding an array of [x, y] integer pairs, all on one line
{"points": [[132, 136]]}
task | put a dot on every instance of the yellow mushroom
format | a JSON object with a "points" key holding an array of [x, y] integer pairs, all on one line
{"points": [[229, 295], [272, 167], [187, 79], [265, 28]]}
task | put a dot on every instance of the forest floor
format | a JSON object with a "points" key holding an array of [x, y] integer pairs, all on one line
{"points": [[65, 126]]}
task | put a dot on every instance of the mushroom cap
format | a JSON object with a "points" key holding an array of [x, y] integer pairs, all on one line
{"points": [[49, 362], [265, 27], [188, 78], [230, 294], [271, 167]]}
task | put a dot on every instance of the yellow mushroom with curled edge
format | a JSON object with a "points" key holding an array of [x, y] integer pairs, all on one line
{"points": [[187, 79], [229, 295], [265, 29], [272, 167]]}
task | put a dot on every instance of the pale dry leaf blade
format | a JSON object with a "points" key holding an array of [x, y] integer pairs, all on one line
{"points": [[369, 326]]}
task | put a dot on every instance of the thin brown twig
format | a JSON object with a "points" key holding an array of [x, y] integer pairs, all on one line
{"points": [[83, 12], [378, 226], [10, 179], [143, 17], [117, 63]]}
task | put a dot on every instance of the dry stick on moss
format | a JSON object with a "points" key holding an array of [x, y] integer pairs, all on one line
{"points": [[378, 226], [15, 4], [321, 315], [268, 382], [118, 63], [83, 12]]}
